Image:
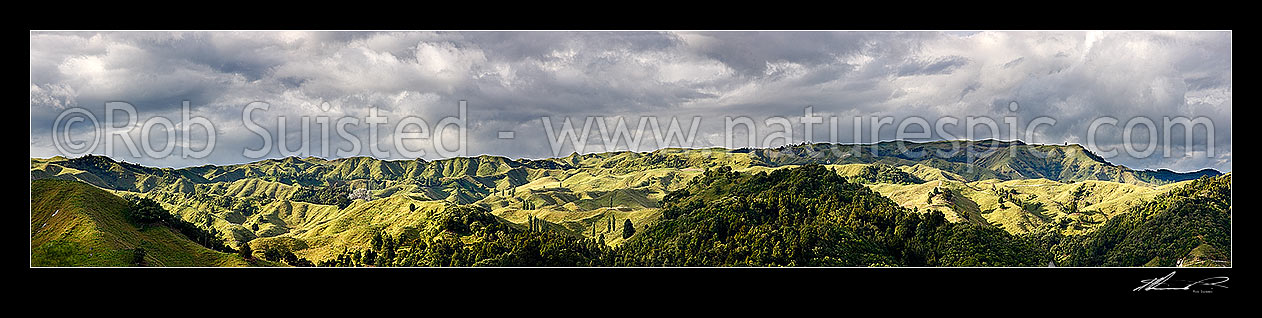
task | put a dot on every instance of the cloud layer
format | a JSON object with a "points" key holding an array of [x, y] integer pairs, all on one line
{"points": [[513, 79]]}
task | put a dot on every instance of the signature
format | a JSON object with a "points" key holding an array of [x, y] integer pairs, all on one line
{"points": [[1165, 283]]}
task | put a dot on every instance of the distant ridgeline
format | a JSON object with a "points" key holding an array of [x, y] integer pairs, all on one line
{"points": [[972, 160], [989, 203]]}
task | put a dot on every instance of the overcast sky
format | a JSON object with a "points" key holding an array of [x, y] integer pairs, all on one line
{"points": [[511, 80]]}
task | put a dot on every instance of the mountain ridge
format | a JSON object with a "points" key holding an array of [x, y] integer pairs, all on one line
{"points": [[1023, 161]]}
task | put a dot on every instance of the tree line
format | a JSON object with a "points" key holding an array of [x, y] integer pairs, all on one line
{"points": [[147, 212]]}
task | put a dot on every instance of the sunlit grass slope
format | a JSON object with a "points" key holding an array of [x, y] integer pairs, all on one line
{"points": [[76, 224]]}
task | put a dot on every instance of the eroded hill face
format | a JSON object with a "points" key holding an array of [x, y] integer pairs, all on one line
{"points": [[333, 205]]}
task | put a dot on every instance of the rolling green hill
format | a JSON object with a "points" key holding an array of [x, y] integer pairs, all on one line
{"points": [[1021, 206], [971, 161], [1188, 226], [470, 236], [76, 224], [975, 160], [323, 208], [810, 216]]}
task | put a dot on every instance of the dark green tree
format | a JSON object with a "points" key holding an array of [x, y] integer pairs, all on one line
{"points": [[627, 229], [273, 254], [138, 256], [245, 251], [147, 211], [370, 258], [377, 241]]}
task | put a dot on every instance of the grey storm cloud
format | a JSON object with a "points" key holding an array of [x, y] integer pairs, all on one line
{"points": [[512, 80]]}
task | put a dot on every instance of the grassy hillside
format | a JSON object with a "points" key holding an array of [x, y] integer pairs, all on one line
{"points": [[1024, 205], [967, 160], [1188, 226], [807, 216], [810, 216], [974, 160], [76, 224], [470, 236], [320, 208]]}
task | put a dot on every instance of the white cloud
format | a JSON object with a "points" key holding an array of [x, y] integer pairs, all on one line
{"points": [[511, 79]]}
